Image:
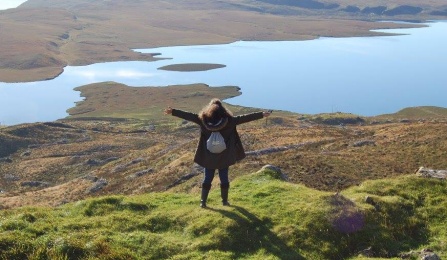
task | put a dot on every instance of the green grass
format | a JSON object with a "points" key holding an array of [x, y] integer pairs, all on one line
{"points": [[422, 112], [269, 219]]}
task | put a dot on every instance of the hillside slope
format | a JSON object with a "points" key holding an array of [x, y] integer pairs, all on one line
{"points": [[58, 162], [118, 141], [415, 113], [269, 219]]}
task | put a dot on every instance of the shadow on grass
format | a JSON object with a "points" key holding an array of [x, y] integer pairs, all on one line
{"points": [[253, 234]]}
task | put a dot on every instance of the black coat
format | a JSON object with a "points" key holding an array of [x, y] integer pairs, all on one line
{"points": [[234, 152]]}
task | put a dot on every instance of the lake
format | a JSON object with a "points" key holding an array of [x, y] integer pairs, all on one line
{"points": [[360, 75]]}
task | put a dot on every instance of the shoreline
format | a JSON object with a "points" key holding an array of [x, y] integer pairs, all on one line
{"points": [[188, 67], [43, 73]]}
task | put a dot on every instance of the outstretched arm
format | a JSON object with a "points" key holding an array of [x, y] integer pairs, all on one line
{"points": [[183, 114], [251, 117]]}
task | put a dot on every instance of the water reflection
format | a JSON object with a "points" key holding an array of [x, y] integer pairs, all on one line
{"points": [[361, 75], [366, 75], [49, 100]]}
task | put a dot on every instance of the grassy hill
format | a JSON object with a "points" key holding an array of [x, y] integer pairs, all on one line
{"points": [[269, 219], [417, 113], [118, 182]]}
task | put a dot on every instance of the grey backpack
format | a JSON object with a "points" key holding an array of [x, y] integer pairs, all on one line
{"points": [[216, 143]]}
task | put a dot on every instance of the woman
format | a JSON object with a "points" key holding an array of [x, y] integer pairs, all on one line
{"points": [[216, 118]]}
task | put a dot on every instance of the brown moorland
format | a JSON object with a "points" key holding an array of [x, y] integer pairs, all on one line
{"points": [[41, 37], [118, 141], [134, 148]]}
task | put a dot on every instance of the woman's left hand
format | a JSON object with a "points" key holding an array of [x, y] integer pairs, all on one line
{"points": [[266, 114]]}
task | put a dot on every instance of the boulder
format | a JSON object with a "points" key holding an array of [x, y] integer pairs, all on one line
{"points": [[431, 173], [273, 171], [427, 254], [97, 186]]}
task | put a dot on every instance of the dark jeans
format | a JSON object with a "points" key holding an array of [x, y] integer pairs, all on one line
{"points": [[209, 176]]}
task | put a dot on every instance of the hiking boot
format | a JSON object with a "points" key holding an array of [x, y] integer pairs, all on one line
{"points": [[224, 193], [205, 191]]}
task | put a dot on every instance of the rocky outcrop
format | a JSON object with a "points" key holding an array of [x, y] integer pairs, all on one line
{"points": [[97, 186], [273, 171], [431, 173], [424, 254]]}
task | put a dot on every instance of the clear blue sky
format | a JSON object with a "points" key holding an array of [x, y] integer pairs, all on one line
{"points": [[6, 4]]}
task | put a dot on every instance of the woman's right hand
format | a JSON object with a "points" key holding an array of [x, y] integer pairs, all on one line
{"points": [[168, 111]]}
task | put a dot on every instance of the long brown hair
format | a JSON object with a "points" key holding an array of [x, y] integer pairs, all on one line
{"points": [[214, 111]]}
